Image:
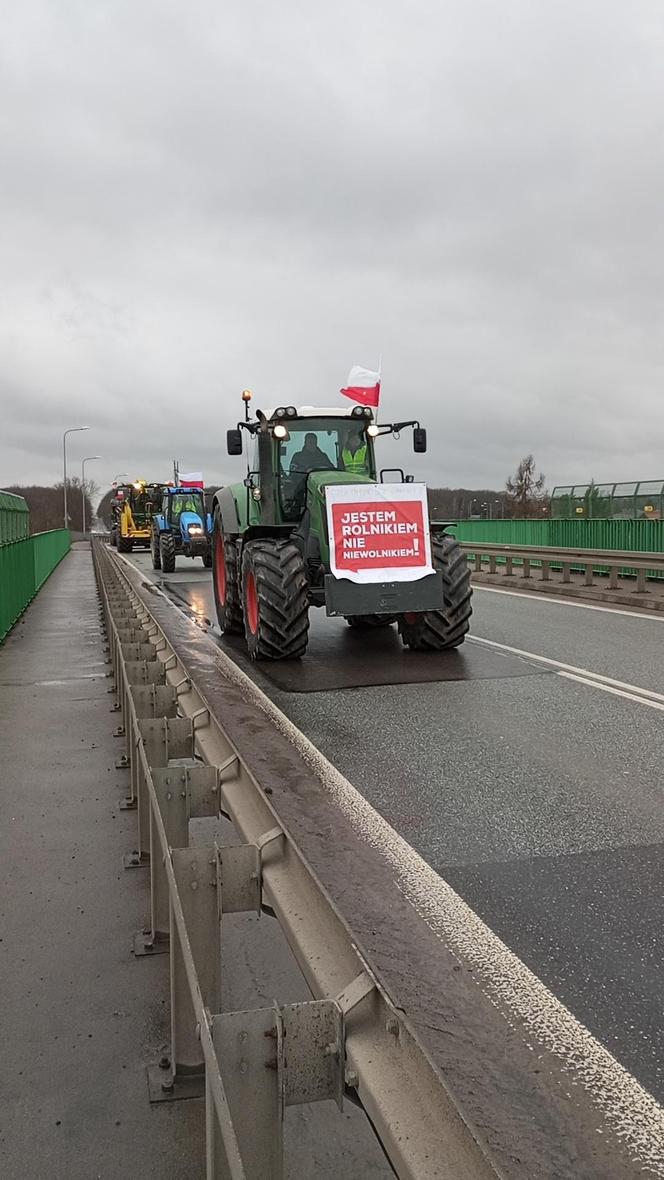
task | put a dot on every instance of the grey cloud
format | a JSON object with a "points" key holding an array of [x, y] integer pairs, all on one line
{"points": [[199, 198]]}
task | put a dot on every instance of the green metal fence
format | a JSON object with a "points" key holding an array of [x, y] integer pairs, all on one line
{"points": [[636, 536], [643, 499], [14, 518], [24, 567]]}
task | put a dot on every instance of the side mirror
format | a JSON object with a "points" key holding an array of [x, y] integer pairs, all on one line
{"points": [[409, 479], [419, 440], [234, 442]]}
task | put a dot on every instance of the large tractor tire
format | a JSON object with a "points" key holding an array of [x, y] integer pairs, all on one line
{"points": [[275, 599], [114, 538], [226, 581], [155, 550], [436, 630], [207, 558], [167, 553], [369, 622], [125, 544]]}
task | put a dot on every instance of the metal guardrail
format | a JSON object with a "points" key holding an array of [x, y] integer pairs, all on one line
{"points": [[589, 561], [350, 1040]]}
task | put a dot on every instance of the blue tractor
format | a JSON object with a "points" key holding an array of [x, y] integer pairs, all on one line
{"points": [[182, 527]]}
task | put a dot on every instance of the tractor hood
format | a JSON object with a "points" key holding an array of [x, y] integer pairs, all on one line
{"points": [[319, 480], [188, 518]]}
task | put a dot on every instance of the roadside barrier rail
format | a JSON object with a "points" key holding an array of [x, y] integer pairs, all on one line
{"points": [[25, 564], [349, 1042], [591, 562]]}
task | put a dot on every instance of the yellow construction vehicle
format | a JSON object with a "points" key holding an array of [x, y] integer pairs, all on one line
{"points": [[134, 506]]}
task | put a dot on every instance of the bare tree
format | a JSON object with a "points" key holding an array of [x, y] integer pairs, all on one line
{"points": [[525, 490]]}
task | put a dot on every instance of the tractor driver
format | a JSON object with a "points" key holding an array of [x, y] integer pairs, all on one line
{"points": [[310, 458], [355, 455]]}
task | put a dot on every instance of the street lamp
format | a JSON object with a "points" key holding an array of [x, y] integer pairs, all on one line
{"points": [[116, 477], [87, 459], [72, 430]]}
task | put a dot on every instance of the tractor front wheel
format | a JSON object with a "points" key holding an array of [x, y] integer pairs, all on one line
{"points": [[275, 598], [226, 581], [167, 553], [154, 550], [436, 630]]}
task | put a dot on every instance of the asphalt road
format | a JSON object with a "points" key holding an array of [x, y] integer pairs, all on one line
{"points": [[538, 797]]}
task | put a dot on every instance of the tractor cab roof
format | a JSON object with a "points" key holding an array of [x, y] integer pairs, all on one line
{"points": [[184, 490], [320, 412]]}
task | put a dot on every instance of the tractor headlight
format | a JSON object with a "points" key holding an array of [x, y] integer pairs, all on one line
{"points": [[280, 412], [291, 412], [372, 430], [280, 431], [195, 530]]}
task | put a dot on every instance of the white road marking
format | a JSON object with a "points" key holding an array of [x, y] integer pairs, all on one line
{"points": [[644, 696], [533, 595]]}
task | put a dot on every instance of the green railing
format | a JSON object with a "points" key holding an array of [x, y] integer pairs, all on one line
{"points": [[14, 518], [24, 567], [630, 536], [634, 536]]}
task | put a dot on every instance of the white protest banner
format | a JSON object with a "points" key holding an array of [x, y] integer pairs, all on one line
{"points": [[378, 532]]}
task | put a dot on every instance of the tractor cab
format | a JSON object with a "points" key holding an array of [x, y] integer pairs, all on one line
{"points": [[296, 450], [184, 508]]}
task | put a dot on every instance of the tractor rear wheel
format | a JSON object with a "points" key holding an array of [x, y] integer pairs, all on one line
{"points": [[368, 622], [167, 553], [155, 551], [435, 630], [125, 544], [226, 581], [276, 600]]}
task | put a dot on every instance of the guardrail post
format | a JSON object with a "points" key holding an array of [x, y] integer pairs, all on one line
{"points": [[194, 870], [546, 571], [509, 566], [271, 1058], [180, 792], [567, 571], [641, 581], [588, 579], [162, 739], [613, 577], [526, 568]]}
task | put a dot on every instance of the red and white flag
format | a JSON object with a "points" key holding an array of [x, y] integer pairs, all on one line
{"points": [[363, 386], [193, 480]]}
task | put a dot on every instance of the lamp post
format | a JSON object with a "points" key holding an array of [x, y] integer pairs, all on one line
{"points": [[87, 459], [115, 477], [71, 430]]}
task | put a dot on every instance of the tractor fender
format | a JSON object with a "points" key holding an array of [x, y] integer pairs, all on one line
{"points": [[224, 500], [160, 523]]}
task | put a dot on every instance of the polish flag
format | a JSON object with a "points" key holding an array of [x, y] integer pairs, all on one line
{"points": [[363, 386], [193, 480]]}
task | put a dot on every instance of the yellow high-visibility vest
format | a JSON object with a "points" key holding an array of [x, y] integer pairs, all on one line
{"points": [[355, 463]]}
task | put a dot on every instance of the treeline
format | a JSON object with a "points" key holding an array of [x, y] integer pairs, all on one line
{"points": [[46, 505]]}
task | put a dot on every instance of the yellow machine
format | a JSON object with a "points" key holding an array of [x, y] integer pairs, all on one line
{"points": [[136, 504]]}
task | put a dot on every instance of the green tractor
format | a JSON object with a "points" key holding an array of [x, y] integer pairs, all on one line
{"points": [[271, 544]]}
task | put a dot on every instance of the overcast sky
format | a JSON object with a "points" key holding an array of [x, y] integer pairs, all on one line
{"points": [[198, 197]]}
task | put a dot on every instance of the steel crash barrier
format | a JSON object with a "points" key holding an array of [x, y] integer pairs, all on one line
{"points": [[349, 1042], [522, 560]]}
